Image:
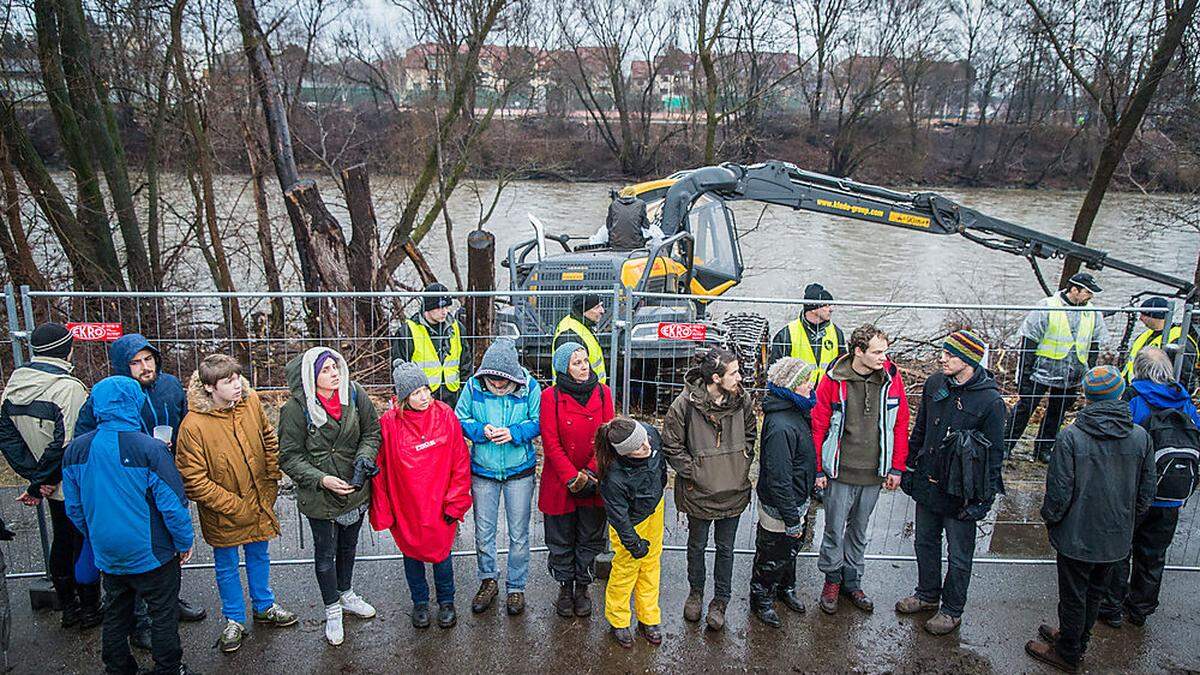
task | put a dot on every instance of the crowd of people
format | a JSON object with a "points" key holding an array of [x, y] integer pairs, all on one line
{"points": [[119, 465]]}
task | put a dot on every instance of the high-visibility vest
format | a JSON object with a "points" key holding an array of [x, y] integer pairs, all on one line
{"points": [[1057, 341], [1146, 340], [802, 348], [425, 355], [595, 354]]}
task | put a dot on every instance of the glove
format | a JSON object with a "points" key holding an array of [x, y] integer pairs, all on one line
{"points": [[975, 511], [364, 470], [640, 550], [450, 520]]}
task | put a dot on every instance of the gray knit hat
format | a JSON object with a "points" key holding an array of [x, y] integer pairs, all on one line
{"points": [[788, 372], [407, 377], [501, 360], [562, 356]]}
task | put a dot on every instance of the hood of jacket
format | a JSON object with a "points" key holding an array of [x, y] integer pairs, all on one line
{"points": [[124, 348], [201, 403], [1105, 419], [1161, 395], [302, 381], [30, 383], [981, 380], [697, 392], [118, 402], [843, 370]]}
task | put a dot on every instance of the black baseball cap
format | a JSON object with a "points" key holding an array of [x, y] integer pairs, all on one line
{"points": [[1085, 280]]}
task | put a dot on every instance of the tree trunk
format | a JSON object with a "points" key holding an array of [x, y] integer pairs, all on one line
{"points": [[18, 257], [364, 241], [153, 227], [481, 276], [89, 97], [202, 153], [266, 244], [1128, 123]]}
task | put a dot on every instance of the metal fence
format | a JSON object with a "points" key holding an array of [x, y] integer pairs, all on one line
{"points": [[646, 371]]}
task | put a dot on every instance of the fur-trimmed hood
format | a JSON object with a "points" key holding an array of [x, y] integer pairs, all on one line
{"points": [[200, 402]]}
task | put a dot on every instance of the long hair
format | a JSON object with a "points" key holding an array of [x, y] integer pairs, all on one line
{"points": [[619, 427], [714, 362]]}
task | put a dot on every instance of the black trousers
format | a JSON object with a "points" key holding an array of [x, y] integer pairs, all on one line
{"points": [[65, 547], [334, 548], [774, 569], [724, 532], [1137, 579], [1081, 588], [951, 591], [1031, 393], [574, 540], [160, 589]]}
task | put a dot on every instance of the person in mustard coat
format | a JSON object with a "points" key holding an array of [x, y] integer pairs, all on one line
{"points": [[229, 458]]}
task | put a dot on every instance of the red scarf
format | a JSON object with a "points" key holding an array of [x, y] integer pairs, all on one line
{"points": [[332, 406]]}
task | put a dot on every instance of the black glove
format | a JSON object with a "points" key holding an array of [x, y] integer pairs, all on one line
{"points": [[450, 520], [364, 470], [975, 511], [5, 533], [640, 550]]}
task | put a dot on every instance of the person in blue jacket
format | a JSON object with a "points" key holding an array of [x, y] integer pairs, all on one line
{"points": [[122, 490], [1134, 587], [165, 404], [499, 409]]}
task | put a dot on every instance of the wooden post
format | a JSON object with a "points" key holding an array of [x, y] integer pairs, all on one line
{"points": [[481, 276], [363, 250]]}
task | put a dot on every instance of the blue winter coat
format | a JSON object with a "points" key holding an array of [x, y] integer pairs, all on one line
{"points": [[121, 487], [1146, 397], [166, 402], [518, 411]]}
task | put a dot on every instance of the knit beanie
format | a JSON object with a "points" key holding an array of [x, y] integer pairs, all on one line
{"points": [[965, 345], [626, 439], [407, 377], [1103, 383], [436, 301], [818, 293], [51, 339], [562, 356], [789, 371], [501, 360], [584, 302], [320, 363]]}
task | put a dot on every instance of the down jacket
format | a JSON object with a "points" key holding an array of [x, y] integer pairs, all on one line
{"points": [[229, 460]]}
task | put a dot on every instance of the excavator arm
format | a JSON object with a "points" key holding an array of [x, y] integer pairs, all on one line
{"points": [[785, 184]]}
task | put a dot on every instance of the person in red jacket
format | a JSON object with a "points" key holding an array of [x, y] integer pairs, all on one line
{"points": [[572, 410], [860, 431], [423, 489]]}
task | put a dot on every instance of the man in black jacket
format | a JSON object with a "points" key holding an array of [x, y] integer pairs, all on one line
{"points": [[962, 397], [1100, 480], [787, 469]]}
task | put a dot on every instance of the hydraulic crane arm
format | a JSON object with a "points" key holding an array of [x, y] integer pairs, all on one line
{"points": [[785, 184]]}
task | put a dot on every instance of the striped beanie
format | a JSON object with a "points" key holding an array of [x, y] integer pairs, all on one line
{"points": [[1103, 383], [965, 345]]}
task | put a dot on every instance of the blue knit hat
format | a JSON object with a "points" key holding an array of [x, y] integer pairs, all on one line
{"points": [[562, 356], [1103, 383]]}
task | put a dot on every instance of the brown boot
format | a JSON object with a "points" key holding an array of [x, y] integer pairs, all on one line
{"points": [[582, 601], [691, 608], [716, 614], [1048, 633], [942, 624], [486, 595], [829, 598], [515, 604], [1048, 655], [914, 605]]}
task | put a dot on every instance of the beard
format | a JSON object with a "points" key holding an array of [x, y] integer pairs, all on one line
{"points": [[147, 379]]}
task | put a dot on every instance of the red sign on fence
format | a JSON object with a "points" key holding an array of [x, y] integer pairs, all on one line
{"points": [[695, 332], [96, 332]]}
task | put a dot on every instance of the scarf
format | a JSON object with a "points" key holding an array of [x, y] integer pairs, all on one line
{"points": [[332, 406], [805, 404], [580, 391]]}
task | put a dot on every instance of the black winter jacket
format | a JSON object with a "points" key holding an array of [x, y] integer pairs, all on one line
{"points": [[787, 460], [945, 407], [1100, 480], [632, 489]]}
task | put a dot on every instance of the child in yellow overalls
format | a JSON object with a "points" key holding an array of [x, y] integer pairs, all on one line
{"points": [[632, 475]]}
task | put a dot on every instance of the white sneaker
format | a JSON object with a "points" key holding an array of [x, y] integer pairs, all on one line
{"points": [[333, 624], [354, 604]]}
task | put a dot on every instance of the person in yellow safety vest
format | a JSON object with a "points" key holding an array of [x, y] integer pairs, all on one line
{"points": [[1154, 318], [436, 342], [1057, 349], [579, 326], [811, 337]]}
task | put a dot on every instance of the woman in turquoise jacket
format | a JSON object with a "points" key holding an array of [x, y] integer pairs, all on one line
{"points": [[499, 408]]}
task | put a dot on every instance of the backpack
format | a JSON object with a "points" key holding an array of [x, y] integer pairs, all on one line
{"points": [[1176, 453]]}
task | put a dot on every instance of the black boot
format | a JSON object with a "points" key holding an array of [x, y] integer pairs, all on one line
{"points": [[64, 591], [564, 606], [90, 614], [764, 609]]}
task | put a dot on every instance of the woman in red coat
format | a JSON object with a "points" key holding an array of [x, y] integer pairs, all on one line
{"points": [[423, 489], [572, 411]]}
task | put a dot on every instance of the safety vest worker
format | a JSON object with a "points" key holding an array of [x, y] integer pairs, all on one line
{"points": [[440, 372], [586, 310], [1058, 340], [802, 348]]}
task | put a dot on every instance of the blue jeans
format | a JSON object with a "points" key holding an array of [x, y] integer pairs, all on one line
{"points": [[443, 580], [518, 500], [258, 578]]}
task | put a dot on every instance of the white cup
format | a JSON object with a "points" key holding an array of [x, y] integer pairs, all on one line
{"points": [[163, 433]]}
